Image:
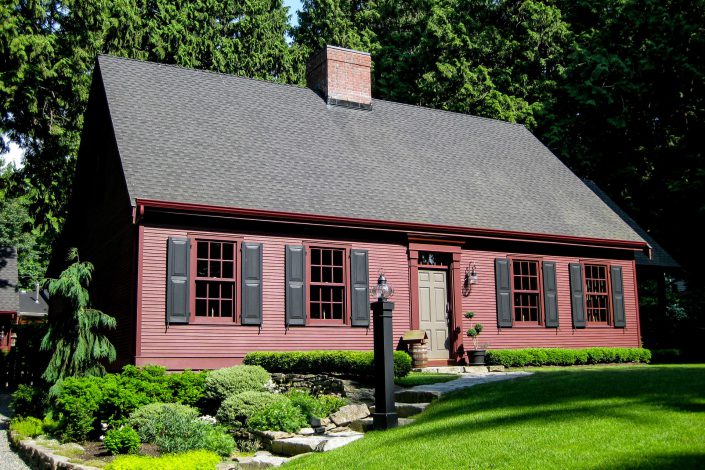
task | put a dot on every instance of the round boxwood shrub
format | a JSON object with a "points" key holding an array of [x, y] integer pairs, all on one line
{"points": [[123, 440], [278, 416], [222, 383], [237, 409]]}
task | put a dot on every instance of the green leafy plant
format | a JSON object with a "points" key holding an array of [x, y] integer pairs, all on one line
{"points": [[315, 407], [193, 460], [187, 387], [28, 401], [565, 357], [222, 383], [27, 427], [75, 335], [329, 404], [474, 332], [469, 315], [278, 416], [237, 409], [122, 440], [77, 404], [149, 420], [349, 363], [176, 428]]}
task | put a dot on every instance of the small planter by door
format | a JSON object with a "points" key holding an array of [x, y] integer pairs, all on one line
{"points": [[476, 357]]}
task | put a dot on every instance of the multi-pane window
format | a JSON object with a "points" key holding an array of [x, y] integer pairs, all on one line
{"points": [[526, 288], [215, 279], [596, 293], [327, 284]]}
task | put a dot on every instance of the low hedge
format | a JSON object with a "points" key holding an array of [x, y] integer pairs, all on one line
{"points": [[355, 363], [565, 357]]}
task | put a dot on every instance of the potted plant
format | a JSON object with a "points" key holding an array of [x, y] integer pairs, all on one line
{"points": [[476, 356]]}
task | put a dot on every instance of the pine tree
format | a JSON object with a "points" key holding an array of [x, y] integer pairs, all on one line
{"points": [[75, 335]]}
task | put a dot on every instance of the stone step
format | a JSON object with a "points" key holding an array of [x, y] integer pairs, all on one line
{"points": [[416, 396], [366, 424], [321, 443], [405, 410]]}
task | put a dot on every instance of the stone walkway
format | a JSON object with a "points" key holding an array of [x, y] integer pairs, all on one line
{"points": [[469, 380], [8, 459]]}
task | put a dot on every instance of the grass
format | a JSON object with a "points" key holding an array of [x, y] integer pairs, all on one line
{"points": [[423, 378], [588, 418]]}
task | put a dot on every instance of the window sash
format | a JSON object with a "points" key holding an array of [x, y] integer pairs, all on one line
{"points": [[222, 293], [328, 290], [597, 294], [526, 302]]}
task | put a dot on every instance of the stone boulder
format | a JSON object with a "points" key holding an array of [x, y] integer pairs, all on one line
{"points": [[349, 413]]}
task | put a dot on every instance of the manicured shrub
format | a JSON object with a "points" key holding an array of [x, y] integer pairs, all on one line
{"points": [[667, 356], [28, 401], [149, 419], [278, 416], [27, 427], [194, 460], [122, 440], [237, 409], [222, 383], [565, 357], [350, 363]]}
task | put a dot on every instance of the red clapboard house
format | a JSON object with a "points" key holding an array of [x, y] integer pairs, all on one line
{"points": [[226, 215]]}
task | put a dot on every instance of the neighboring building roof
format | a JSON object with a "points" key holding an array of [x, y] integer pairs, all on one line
{"points": [[199, 137], [659, 256], [9, 301], [32, 305]]}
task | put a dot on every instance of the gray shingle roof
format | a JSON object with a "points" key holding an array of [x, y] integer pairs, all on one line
{"points": [[659, 256], [33, 305], [206, 138], [9, 300]]}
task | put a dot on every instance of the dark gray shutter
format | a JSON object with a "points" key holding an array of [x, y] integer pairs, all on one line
{"points": [[360, 288], [295, 285], [504, 293], [251, 284], [577, 298], [177, 283], [550, 297], [618, 297]]}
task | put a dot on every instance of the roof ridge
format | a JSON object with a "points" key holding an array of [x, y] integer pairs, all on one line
{"points": [[298, 87]]}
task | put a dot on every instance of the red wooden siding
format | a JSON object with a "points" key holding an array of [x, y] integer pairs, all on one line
{"points": [[482, 300], [206, 346]]}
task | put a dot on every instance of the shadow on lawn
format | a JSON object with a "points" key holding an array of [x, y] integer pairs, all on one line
{"points": [[571, 394], [659, 462]]}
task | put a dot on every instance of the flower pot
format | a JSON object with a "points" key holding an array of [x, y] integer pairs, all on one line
{"points": [[476, 357]]}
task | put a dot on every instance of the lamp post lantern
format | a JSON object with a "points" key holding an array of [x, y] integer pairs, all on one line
{"points": [[385, 415]]}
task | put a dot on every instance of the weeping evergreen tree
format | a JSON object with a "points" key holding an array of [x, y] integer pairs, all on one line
{"points": [[76, 331]]}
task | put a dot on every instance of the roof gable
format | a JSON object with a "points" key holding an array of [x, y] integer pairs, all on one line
{"points": [[9, 300], [206, 138]]}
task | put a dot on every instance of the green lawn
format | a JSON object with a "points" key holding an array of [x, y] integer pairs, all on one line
{"points": [[423, 378], [595, 418]]}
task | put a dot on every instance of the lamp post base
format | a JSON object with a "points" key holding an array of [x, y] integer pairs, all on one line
{"points": [[382, 421]]}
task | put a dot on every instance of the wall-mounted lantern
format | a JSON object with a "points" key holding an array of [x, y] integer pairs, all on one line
{"points": [[471, 274]]}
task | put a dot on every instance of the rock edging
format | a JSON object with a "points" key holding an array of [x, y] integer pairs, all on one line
{"points": [[40, 457]]}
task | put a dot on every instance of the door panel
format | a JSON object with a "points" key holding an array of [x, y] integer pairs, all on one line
{"points": [[433, 319]]}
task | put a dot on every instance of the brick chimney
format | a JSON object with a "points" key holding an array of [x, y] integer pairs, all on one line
{"points": [[341, 76]]}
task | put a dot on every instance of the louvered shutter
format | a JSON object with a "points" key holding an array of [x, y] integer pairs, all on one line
{"points": [[295, 285], [577, 298], [618, 297], [550, 294], [251, 285], [177, 286], [360, 288], [504, 293]]}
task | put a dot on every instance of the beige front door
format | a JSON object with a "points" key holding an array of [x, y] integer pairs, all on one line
{"points": [[433, 319]]}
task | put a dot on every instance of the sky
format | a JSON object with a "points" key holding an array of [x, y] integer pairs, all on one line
{"points": [[15, 153]]}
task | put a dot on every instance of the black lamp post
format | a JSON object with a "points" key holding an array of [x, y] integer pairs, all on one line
{"points": [[385, 415]]}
